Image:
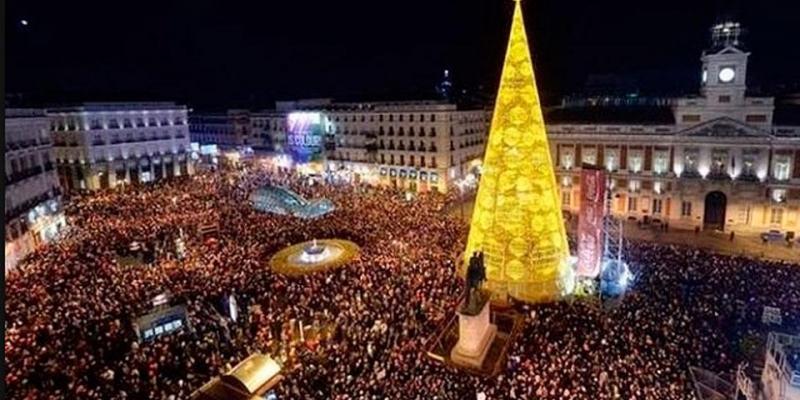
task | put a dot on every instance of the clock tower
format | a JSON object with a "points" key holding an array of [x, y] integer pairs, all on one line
{"points": [[724, 85], [724, 67]]}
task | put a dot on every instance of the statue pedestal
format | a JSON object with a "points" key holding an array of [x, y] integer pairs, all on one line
{"points": [[475, 334]]}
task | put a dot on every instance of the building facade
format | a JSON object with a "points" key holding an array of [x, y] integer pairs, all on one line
{"points": [[416, 146], [413, 145], [33, 210], [101, 145], [227, 130], [720, 160]]}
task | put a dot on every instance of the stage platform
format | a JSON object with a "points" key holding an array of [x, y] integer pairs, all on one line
{"points": [[509, 327]]}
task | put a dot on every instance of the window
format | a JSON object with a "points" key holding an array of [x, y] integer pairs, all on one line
{"points": [[656, 206], [686, 209], [411, 161], [635, 161], [410, 117], [566, 196], [776, 216], [756, 118], [719, 158], [400, 117], [402, 159], [779, 195], [691, 118], [391, 117], [660, 161], [724, 99], [612, 160], [589, 156], [567, 159], [690, 160], [433, 117], [433, 131], [632, 204], [780, 169]]}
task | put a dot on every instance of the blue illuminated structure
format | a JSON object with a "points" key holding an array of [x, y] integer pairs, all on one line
{"points": [[280, 200], [614, 278]]}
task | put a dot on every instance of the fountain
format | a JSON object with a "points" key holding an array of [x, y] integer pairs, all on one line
{"points": [[314, 255]]}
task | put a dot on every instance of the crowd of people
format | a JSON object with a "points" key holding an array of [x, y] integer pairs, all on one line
{"points": [[70, 306]]}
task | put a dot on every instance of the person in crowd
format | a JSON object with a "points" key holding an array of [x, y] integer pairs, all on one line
{"points": [[70, 306]]}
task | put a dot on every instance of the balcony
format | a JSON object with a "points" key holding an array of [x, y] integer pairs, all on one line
{"points": [[30, 203], [23, 175]]}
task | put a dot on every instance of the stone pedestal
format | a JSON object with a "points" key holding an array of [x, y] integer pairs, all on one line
{"points": [[475, 335]]}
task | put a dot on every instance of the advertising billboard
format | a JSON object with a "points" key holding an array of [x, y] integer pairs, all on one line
{"points": [[304, 136], [590, 221]]}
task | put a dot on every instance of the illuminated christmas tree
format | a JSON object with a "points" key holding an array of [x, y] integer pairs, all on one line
{"points": [[517, 220]]}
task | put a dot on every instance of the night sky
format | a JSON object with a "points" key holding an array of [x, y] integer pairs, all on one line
{"points": [[221, 54]]}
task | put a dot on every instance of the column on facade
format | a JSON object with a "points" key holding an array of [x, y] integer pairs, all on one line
{"points": [[112, 173], [151, 167], [601, 158], [623, 157]]}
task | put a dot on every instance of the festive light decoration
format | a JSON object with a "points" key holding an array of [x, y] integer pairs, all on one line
{"points": [[517, 221]]}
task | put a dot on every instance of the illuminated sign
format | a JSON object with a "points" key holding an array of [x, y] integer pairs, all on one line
{"points": [[590, 222], [304, 136]]}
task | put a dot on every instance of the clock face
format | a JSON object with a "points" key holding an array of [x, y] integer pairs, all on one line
{"points": [[726, 74]]}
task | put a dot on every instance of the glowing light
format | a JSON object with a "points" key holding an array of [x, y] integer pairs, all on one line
{"points": [[726, 74], [24, 22], [703, 170], [658, 187], [517, 221]]}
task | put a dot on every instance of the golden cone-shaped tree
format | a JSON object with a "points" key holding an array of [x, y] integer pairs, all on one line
{"points": [[517, 220]]}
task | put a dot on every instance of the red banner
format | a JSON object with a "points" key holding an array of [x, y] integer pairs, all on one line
{"points": [[590, 221]]}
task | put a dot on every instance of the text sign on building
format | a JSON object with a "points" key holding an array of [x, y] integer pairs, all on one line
{"points": [[590, 222], [304, 136]]}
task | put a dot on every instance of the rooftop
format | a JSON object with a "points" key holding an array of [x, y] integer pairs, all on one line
{"points": [[24, 113], [118, 106], [638, 115]]}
